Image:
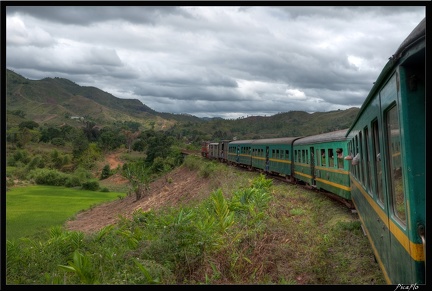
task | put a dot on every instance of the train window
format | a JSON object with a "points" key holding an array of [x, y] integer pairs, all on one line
{"points": [[277, 154], [287, 154], [350, 150], [356, 171], [307, 157], [377, 161], [367, 168], [331, 158], [361, 162], [323, 157], [393, 144], [303, 156], [340, 158]]}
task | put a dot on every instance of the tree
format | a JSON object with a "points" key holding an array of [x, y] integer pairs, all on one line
{"points": [[110, 138], [79, 144], [158, 145], [91, 131], [130, 138], [30, 124], [26, 135], [48, 133], [106, 172]]}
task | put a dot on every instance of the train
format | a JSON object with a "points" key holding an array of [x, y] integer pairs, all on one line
{"points": [[377, 165]]}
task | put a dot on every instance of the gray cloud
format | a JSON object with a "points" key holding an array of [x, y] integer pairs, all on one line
{"points": [[212, 61]]}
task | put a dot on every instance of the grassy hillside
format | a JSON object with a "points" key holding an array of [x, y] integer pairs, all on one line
{"points": [[55, 101]]}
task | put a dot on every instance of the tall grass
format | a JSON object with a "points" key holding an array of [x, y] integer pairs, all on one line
{"points": [[249, 230], [34, 209]]}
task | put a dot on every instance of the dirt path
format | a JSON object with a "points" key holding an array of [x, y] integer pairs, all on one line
{"points": [[113, 160], [179, 186]]}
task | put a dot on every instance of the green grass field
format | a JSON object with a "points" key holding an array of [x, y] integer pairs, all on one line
{"points": [[34, 209]]}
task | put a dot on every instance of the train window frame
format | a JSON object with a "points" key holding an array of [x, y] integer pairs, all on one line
{"points": [[340, 159], [377, 163], [330, 156], [356, 169], [323, 158], [367, 159], [399, 210], [361, 161]]}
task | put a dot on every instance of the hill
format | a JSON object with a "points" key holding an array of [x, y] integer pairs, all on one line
{"points": [[58, 101]]}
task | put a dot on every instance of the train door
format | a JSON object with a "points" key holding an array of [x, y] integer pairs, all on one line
{"points": [[312, 166]]}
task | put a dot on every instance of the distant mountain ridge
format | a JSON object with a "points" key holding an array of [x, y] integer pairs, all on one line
{"points": [[53, 101]]}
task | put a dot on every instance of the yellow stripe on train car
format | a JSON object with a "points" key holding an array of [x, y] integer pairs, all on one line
{"points": [[333, 184], [378, 258], [415, 250]]}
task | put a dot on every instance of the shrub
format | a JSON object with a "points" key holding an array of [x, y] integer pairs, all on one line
{"points": [[106, 172], [58, 141], [72, 181], [82, 174], [90, 185], [22, 156], [36, 162], [11, 162], [48, 177]]}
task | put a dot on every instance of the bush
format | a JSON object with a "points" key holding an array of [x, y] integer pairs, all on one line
{"points": [[48, 177], [90, 185], [58, 141], [22, 156], [106, 172], [36, 162], [82, 174], [72, 181], [11, 162]]}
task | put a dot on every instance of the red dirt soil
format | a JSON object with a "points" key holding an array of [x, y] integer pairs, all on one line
{"points": [[179, 186]]}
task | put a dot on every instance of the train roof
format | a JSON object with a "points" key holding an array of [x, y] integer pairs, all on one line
{"points": [[338, 135], [280, 140], [417, 34], [246, 141]]}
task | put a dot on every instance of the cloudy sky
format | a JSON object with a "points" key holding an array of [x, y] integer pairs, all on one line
{"points": [[219, 61]]}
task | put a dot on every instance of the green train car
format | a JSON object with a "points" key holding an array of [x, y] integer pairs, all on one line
{"points": [[273, 155], [319, 162], [388, 178], [378, 164], [239, 153]]}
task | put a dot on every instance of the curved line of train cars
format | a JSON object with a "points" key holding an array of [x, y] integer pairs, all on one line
{"points": [[378, 163]]}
